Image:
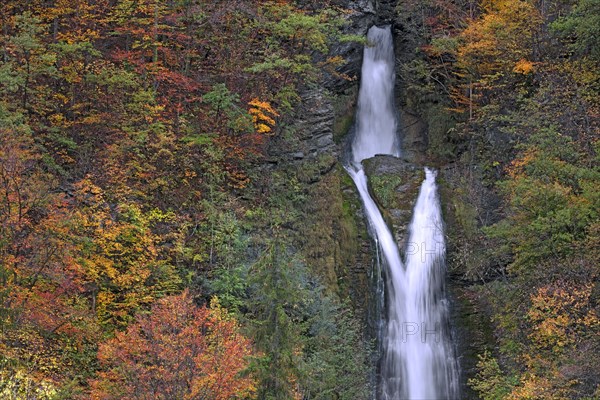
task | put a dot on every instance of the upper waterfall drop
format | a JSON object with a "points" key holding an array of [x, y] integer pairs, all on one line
{"points": [[376, 125], [376, 128]]}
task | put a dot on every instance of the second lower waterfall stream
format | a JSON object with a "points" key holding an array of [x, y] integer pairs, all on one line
{"points": [[418, 360]]}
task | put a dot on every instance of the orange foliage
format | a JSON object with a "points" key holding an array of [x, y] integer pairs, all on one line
{"points": [[499, 42], [179, 351], [560, 312], [262, 116], [43, 278], [515, 169], [75, 20], [44, 305], [524, 67]]}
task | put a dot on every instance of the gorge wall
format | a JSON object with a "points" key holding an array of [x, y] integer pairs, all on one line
{"points": [[334, 238]]}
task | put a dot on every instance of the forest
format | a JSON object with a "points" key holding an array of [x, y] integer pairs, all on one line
{"points": [[161, 237]]}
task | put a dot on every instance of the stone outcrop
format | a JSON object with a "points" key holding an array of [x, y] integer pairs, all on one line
{"points": [[361, 16], [394, 184], [336, 243], [323, 106], [386, 11], [312, 132]]}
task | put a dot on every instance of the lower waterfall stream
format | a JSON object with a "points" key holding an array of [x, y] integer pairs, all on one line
{"points": [[418, 360]]}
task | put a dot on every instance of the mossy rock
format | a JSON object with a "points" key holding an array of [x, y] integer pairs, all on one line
{"points": [[467, 206], [344, 108], [472, 333], [313, 171], [394, 184], [335, 242]]}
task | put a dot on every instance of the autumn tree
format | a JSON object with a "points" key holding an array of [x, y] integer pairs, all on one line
{"points": [[496, 48], [119, 255], [548, 233], [130, 134], [178, 351], [43, 300]]}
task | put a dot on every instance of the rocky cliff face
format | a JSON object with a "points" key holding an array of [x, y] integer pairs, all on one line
{"points": [[333, 237]]}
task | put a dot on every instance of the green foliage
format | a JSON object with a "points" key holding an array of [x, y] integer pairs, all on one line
{"points": [[490, 382], [31, 61], [227, 252], [294, 38], [419, 83], [581, 28], [445, 45], [220, 100], [312, 344], [384, 188], [200, 139], [287, 98], [231, 286], [336, 364], [553, 198], [278, 291]]}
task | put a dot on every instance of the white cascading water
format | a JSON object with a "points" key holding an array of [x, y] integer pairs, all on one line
{"points": [[375, 118], [417, 361]]}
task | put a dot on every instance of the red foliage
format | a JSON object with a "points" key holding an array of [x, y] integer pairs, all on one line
{"points": [[44, 283], [178, 351]]}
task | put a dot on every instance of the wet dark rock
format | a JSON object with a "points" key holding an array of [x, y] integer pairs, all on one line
{"points": [[361, 16], [386, 11]]}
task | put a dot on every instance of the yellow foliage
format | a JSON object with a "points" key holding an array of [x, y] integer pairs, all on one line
{"points": [[262, 128], [120, 255], [58, 120], [33, 368], [93, 119], [218, 312], [534, 387], [560, 314], [524, 67], [20, 385], [494, 43], [263, 116]]}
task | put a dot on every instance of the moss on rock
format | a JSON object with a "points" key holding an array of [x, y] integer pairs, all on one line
{"points": [[334, 234], [344, 107], [394, 184]]}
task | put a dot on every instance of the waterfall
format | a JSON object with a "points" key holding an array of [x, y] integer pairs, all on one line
{"points": [[417, 360], [376, 119]]}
